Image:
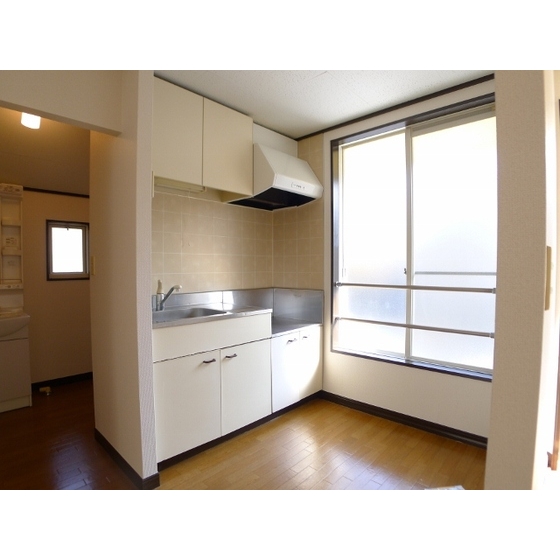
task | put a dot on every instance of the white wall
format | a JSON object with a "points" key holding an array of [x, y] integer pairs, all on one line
{"points": [[266, 137], [59, 329], [120, 209], [55, 157], [456, 402], [525, 373], [120, 220], [73, 97]]}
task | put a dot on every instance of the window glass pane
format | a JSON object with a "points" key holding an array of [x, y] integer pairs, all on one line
{"points": [[470, 352], [455, 198], [454, 310], [470, 280], [373, 214], [370, 339], [379, 304], [418, 205], [67, 250]]}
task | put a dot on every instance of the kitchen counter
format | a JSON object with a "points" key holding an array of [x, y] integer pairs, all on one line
{"points": [[190, 314], [290, 309], [224, 364], [282, 325]]}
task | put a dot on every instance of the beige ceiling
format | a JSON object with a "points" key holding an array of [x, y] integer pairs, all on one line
{"points": [[297, 103]]}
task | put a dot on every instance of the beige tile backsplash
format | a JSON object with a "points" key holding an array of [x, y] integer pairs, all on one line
{"points": [[205, 245]]}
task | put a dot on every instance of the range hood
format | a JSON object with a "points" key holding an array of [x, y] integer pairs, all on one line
{"points": [[280, 181]]}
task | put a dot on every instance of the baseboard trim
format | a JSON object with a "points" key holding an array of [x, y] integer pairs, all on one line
{"points": [[141, 483], [62, 380], [438, 429]]}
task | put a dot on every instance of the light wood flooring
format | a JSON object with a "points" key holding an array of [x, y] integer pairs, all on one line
{"points": [[322, 445], [319, 445]]}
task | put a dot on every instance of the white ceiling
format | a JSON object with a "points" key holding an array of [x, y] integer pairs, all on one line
{"points": [[297, 103]]}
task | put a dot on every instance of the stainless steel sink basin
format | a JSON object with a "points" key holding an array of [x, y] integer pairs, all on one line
{"points": [[168, 315], [10, 324]]}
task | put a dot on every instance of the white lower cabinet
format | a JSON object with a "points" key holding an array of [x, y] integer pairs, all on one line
{"points": [[246, 384], [311, 360], [296, 366], [203, 393], [187, 403], [285, 358], [203, 396]]}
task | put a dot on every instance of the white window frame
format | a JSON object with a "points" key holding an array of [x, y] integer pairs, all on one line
{"points": [[79, 275], [423, 121]]}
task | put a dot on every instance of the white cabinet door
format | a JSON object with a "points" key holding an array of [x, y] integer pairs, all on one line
{"points": [[177, 133], [246, 384], [228, 149], [187, 403], [311, 360], [297, 366], [285, 357], [198, 141]]}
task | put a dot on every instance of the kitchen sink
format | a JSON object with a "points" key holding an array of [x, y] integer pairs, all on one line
{"points": [[184, 313]]}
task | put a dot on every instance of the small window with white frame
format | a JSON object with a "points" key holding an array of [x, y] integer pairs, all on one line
{"points": [[67, 250]]}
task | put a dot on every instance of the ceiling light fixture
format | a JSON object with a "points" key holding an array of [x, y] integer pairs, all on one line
{"points": [[30, 121]]}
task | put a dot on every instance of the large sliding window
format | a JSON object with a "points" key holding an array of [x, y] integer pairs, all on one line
{"points": [[415, 242]]}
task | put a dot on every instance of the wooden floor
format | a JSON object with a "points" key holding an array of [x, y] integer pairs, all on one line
{"points": [[51, 445], [320, 445]]}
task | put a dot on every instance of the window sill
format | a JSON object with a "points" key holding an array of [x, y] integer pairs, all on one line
{"points": [[447, 370]]}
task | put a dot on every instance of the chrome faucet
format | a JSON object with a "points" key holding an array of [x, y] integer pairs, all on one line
{"points": [[161, 298]]}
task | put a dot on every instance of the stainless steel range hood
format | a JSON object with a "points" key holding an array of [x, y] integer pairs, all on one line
{"points": [[280, 181]]}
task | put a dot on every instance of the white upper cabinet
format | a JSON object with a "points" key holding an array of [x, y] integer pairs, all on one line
{"points": [[200, 142], [227, 149], [177, 133]]}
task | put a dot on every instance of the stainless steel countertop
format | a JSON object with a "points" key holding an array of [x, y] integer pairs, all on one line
{"points": [[290, 309], [160, 320], [282, 325]]}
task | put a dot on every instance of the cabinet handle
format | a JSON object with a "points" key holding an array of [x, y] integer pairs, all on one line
{"points": [[291, 340], [209, 361], [231, 356]]}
